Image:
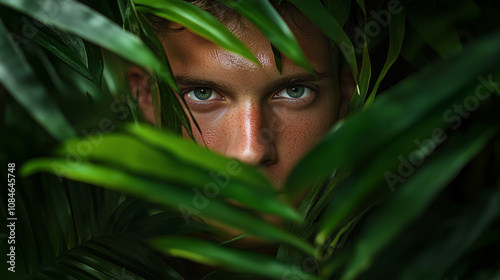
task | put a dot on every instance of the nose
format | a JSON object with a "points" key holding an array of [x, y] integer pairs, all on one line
{"points": [[250, 138]]}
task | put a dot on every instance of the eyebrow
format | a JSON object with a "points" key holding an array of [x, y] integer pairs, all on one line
{"points": [[303, 78], [189, 81], [283, 81]]}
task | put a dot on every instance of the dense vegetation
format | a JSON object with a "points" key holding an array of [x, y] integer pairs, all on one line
{"points": [[407, 187]]}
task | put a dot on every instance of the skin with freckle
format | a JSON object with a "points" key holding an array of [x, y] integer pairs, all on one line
{"points": [[253, 113], [250, 115]]}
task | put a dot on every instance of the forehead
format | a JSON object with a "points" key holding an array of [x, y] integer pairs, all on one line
{"points": [[191, 54]]}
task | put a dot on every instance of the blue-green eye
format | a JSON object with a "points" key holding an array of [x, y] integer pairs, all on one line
{"points": [[295, 92], [202, 94]]}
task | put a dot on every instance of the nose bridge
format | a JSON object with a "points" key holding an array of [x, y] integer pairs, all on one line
{"points": [[249, 122], [253, 123]]}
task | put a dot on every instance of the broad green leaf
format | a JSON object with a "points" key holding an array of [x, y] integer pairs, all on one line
{"points": [[166, 194], [265, 17], [396, 37], [48, 208], [331, 28], [154, 225], [198, 21], [234, 259], [68, 16], [197, 156], [415, 195], [125, 251], [137, 157], [21, 82], [360, 189], [404, 97]]}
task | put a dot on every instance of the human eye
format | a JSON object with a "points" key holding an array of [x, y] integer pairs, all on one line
{"points": [[294, 92], [202, 94]]}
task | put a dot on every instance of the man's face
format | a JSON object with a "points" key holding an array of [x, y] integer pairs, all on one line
{"points": [[251, 113]]}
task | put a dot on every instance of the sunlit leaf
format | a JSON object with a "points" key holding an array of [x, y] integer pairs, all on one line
{"points": [[238, 260], [138, 157], [184, 200], [263, 15], [198, 21]]}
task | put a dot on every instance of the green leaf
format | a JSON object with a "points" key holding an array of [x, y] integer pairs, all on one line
{"points": [[331, 28], [350, 137], [396, 37], [265, 17], [200, 157], [137, 157], [198, 21], [64, 232], [22, 83], [62, 52], [165, 194], [360, 189], [68, 16], [415, 195], [234, 259]]}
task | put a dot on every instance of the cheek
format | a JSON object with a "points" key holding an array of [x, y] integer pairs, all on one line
{"points": [[213, 128], [300, 133]]}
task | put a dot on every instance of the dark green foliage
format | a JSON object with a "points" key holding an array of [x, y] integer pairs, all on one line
{"points": [[407, 187]]}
